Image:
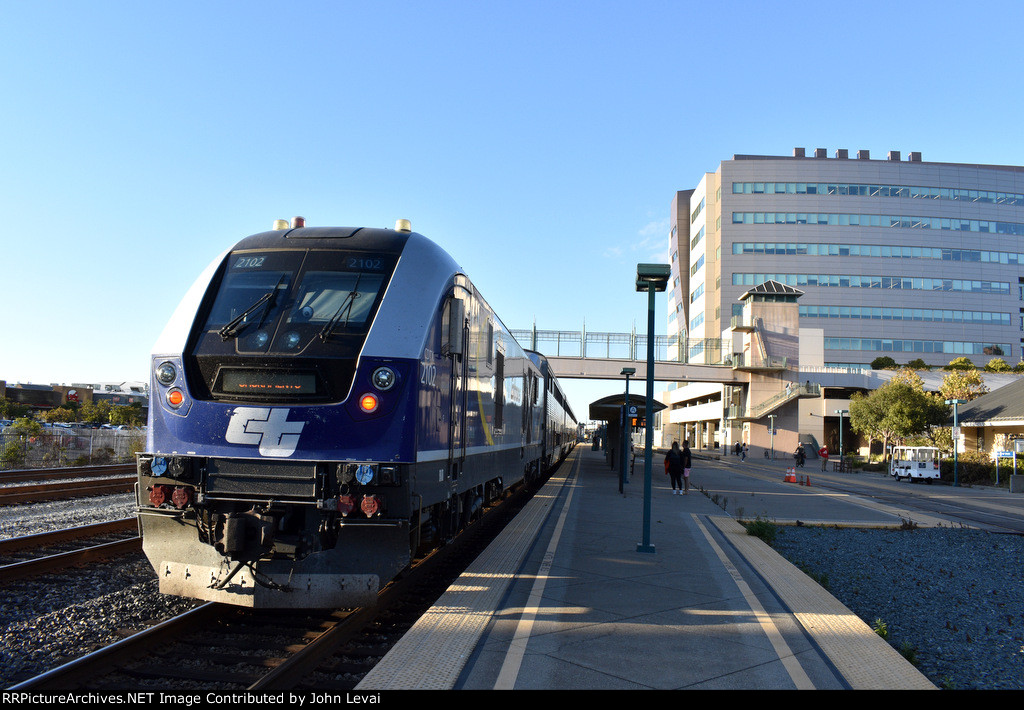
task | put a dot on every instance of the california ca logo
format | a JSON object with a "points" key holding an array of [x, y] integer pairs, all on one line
{"points": [[266, 427]]}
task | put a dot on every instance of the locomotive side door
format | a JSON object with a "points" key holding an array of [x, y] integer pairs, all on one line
{"points": [[456, 335]]}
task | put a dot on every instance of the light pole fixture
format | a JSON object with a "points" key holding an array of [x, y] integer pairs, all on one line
{"points": [[624, 439], [956, 437], [651, 278], [841, 412]]}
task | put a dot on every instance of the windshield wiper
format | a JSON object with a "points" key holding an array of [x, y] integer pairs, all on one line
{"points": [[346, 305], [231, 329]]}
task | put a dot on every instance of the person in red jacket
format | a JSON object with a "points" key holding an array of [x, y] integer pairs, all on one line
{"points": [[823, 453]]}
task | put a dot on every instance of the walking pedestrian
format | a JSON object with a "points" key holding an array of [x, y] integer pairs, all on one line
{"points": [[823, 453], [743, 453], [674, 466], [687, 465]]}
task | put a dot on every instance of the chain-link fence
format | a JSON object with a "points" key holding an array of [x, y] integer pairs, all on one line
{"points": [[70, 447]]}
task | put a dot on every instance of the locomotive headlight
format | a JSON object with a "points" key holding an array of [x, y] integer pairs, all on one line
{"points": [[384, 378], [291, 340], [158, 466], [166, 373], [260, 339]]}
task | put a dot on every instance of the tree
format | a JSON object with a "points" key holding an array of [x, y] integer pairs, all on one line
{"points": [[957, 384], [962, 384], [997, 364], [60, 414], [918, 364], [897, 410], [883, 363], [129, 415], [960, 363], [25, 427], [95, 412], [10, 409]]}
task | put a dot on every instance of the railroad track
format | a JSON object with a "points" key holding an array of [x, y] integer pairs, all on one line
{"points": [[939, 500], [33, 486], [962, 511], [47, 474], [54, 562], [279, 649]]}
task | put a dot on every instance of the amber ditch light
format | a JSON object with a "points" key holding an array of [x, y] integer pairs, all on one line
{"points": [[175, 397], [368, 403]]}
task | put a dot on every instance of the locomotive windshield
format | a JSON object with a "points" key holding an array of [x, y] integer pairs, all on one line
{"points": [[251, 292], [335, 300], [258, 305], [293, 315]]}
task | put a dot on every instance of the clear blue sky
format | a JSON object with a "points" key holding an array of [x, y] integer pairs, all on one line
{"points": [[537, 142]]}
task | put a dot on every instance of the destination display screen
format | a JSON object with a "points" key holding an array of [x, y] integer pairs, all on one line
{"points": [[267, 382]]}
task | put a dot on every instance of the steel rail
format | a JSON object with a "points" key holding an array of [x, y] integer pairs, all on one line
{"points": [[63, 560], [29, 542], [45, 474], [37, 493], [110, 658]]}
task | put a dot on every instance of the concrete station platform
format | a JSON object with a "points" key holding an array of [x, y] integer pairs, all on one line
{"points": [[568, 598]]}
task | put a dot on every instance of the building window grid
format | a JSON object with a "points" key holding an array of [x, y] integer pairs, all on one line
{"points": [[946, 347], [913, 283], [885, 251], [832, 219], [933, 315], [867, 190]]}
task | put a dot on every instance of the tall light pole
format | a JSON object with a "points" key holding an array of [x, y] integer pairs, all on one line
{"points": [[624, 464], [841, 412], [956, 437], [651, 278], [771, 424]]}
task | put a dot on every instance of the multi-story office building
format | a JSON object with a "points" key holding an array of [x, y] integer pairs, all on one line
{"points": [[896, 257]]}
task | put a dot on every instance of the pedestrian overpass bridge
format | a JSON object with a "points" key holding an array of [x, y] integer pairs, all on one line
{"points": [[601, 356]]}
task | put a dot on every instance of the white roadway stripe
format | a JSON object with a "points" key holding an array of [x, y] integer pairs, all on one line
{"points": [[514, 658], [782, 650]]}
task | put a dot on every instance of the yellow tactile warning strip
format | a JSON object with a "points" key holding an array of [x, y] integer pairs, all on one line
{"points": [[860, 655], [448, 633]]}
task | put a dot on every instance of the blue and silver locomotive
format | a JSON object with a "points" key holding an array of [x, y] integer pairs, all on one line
{"points": [[323, 402]]}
